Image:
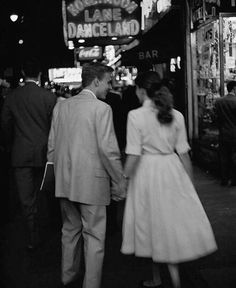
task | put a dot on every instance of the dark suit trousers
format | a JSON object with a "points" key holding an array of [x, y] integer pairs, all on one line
{"points": [[227, 152], [28, 181]]}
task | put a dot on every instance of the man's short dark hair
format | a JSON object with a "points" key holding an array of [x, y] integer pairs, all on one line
{"points": [[91, 71], [31, 68], [230, 85]]}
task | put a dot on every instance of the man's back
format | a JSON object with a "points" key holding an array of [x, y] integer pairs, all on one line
{"points": [[26, 119], [84, 139], [226, 117]]}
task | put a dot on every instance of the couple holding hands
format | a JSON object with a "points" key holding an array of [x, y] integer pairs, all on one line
{"points": [[163, 217]]}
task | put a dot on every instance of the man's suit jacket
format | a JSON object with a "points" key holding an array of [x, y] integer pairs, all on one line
{"points": [[226, 117], [83, 146], [26, 120]]}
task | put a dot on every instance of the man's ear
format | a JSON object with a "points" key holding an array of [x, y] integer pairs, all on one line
{"points": [[96, 82]]}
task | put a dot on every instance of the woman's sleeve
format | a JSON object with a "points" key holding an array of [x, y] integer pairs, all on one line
{"points": [[133, 136], [182, 145]]}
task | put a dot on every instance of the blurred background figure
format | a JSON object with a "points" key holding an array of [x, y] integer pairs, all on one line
{"points": [[114, 99], [225, 108], [4, 156], [25, 120]]}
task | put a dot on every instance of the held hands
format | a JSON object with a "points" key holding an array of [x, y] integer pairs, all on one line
{"points": [[120, 192]]}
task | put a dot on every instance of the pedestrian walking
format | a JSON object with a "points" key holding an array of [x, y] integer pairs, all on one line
{"points": [[84, 149], [26, 120], [163, 217], [225, 108]]}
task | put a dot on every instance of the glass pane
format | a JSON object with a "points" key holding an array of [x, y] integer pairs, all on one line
{"points": [[208, 78], [229, 36]]}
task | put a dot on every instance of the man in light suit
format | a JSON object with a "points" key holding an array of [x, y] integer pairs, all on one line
{"points": [[83, 147]]}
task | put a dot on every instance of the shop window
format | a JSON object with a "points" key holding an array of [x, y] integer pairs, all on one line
{"points": [[207, 79]]}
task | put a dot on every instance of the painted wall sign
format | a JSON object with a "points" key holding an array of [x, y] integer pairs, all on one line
{"points": [[89, 19], [148, 54], [152, 11], [88, 53]]}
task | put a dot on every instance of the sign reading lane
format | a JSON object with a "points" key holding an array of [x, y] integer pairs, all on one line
{"points": [[87, 19]]}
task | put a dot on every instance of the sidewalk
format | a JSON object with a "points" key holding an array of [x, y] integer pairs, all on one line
{"points": [[42, 268], [219, 270]]}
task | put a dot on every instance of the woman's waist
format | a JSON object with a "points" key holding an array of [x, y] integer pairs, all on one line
{"points": [[157, 153]]}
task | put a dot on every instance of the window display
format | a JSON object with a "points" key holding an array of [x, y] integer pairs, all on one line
{"points": [[215, 42], [208, 78], [229, 49]]}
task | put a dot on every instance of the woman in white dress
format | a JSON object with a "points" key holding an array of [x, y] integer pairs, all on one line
{"points": [[164, 218]]}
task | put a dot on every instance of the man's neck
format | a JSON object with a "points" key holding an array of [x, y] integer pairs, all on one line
{"points": [[89, 88]]}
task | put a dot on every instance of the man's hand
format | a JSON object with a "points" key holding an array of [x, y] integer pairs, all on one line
{"points": [[119, 192]]}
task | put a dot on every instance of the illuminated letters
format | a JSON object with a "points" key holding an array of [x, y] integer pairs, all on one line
{"points": [[103, 15], [79, 5], [103, 29], [101, 18], [72, 30]]}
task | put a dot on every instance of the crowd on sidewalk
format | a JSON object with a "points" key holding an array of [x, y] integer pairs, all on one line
{"points": [[164, 219]]}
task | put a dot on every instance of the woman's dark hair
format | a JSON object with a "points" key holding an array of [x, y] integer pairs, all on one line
{"points": [[147, 79], [158, 93], [163, 100]]}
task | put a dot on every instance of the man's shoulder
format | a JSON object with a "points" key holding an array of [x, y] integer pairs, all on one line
{"points": [[16, 92], [46, 92], [225, 99], [220, 100]]}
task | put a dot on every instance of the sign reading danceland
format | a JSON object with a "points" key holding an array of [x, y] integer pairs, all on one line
{"points": [[87, 19]]}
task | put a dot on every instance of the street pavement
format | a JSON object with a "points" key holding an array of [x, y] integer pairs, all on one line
{"points": [[41, 268]]}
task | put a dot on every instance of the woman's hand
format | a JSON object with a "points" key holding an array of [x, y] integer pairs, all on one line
{"points": [[120, 193]]}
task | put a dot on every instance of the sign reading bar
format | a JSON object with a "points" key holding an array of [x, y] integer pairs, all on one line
{"points": [[88, 19]]}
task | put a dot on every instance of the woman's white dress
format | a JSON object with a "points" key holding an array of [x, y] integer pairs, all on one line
{"points": [[164, 218]]}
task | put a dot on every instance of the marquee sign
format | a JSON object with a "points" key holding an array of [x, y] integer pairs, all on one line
{"points": [[94, 19]]}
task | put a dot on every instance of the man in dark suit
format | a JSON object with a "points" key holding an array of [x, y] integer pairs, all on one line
{"points": [[26, 120], [226, 118]]}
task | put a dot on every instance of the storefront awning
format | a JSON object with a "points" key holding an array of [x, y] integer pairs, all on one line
{"points": [[159, 44]]}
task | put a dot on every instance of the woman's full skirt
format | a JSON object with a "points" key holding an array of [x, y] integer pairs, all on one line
{"points": [[164, 218]]}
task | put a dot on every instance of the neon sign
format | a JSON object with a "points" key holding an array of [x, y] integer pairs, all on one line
{"points": [[89, 19], [88, 53]]}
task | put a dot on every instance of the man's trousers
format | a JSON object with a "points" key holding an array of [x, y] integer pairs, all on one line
{"points": [[82, 225], [227, 153], [28, 181]]}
